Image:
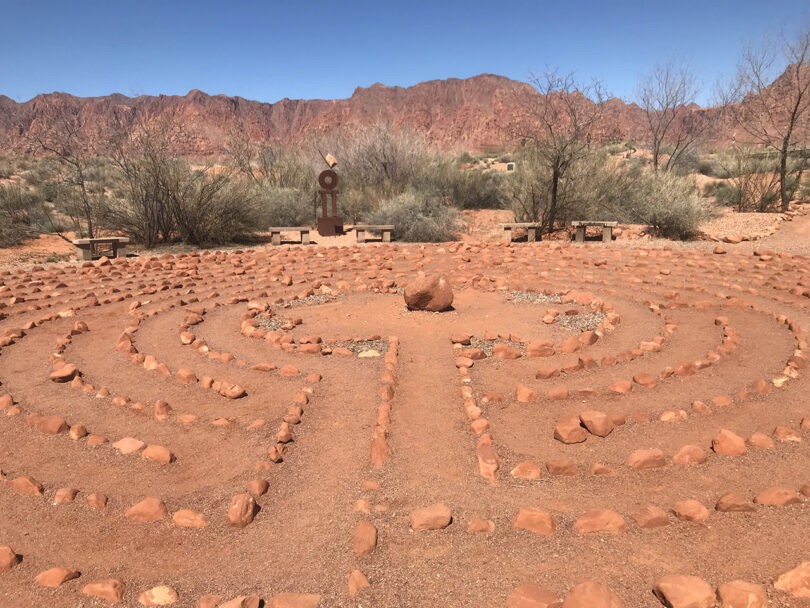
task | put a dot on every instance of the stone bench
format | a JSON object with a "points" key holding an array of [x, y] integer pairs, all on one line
{"points": [[303, 231], [363, 229], [85, 247], [532, 228], [607, 230]]}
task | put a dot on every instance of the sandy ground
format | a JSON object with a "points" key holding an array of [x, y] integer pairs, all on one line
{"points": [[723, 328]]}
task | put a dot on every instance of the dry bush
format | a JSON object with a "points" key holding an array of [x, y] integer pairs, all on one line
{"points": [[21, 215]]}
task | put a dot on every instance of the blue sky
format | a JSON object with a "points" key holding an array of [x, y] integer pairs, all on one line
{"points": [[271, 50]]}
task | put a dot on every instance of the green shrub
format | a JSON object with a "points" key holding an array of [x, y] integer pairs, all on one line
{"points": [[282, 207], [418, 218], [671, 205]]}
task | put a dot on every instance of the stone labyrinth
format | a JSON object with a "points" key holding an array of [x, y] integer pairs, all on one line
{"points": [[590, 426]]}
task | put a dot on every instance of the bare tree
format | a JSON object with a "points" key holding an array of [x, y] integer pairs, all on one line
{"points": [[775, 114], [557, 118], [665, 95], [141, 147], [62, 135], [267, 163]]}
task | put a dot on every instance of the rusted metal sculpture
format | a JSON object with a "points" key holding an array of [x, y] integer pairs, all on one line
{"points": [[329, 225]]}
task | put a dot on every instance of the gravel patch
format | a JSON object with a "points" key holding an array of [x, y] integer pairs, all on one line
{"points": [[318, 298], [533, 297], [488, 345], [358, 346], [582, 322]]}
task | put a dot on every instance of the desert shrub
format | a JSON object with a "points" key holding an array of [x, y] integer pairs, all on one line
{"points": [[687, 162], [208, 209], [282, 206], [466, 157], [20, 215], [464, 188], [671, 205], [724, 193], [8, 167], [604, 187], [418, 218], [710, 168], [49, 190]]}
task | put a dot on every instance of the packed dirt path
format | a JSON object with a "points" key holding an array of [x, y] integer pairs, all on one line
{"points": [[588, 424]]}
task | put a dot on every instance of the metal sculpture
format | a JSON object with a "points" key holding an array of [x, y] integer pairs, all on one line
{"points": [[329, 225]]}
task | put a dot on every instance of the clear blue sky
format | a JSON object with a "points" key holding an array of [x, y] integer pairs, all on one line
{"points": [[313, 49]]}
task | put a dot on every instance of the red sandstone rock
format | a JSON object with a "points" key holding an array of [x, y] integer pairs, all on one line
{"points": [[157, 453], [728, 444], [777, 497], [25, 484], [646, 459], [66, 373], [690, 510], [524, 394], [597, 423], [600, 520], [162, 595], [432, 293], [682, 591], [569, 430], [109, 589], [740, 594], [650, 517], [531, 596], [242, 510], [357, 582], [591, 594], [187, 518], [8, 558], [690, 454], [527, 470], [148, 510], [435, 517], [561, 467], [535, 520], [733, 503], [365, 538], [294, 600], [56, 576], [645, 380], [796, 582]]}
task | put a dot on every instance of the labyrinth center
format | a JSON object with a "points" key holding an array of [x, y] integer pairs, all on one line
{"points": [[275, 424]]}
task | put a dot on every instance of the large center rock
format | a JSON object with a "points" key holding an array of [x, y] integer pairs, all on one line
{"points": [[429, 292]]}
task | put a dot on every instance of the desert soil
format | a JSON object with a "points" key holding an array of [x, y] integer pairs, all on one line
{"points": [[673, 344]]}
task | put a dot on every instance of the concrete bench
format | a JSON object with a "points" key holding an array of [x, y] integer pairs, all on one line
{"points": [[85, 247], [363, 229], [607, 230], [532, 228], [303, 231]]}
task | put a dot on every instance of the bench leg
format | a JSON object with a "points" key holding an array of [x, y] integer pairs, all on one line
{"points": [[386, 236], [275, 238], [580, 236], [361, 236], [508, 234], [305, 238], [84, 253], [531, 235], [607, 234]]}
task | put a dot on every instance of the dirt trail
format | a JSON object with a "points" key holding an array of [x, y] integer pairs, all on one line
{"points": [[427, 442]]}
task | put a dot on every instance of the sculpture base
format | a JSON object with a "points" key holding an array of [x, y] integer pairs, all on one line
{"points": [[330, 226]]}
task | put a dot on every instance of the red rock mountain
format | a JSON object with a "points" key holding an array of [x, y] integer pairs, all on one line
{"points": [[455, 114]]}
